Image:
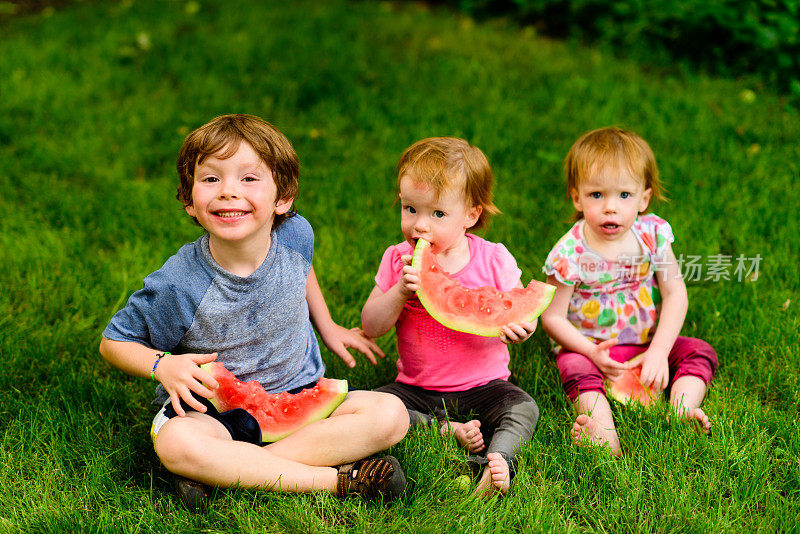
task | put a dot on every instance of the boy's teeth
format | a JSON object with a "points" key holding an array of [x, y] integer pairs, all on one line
{"points": [[230, 213]]}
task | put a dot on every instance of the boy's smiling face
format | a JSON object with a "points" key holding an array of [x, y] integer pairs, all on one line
{"points": [[235, 199]]}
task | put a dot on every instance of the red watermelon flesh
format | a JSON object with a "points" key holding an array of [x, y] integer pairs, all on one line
{"points": [[481, 311], [629, 388], [278, 414]]}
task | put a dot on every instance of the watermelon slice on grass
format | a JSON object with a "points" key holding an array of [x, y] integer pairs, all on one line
{"points": [[628, 388], [483, 311], [278, 414]]}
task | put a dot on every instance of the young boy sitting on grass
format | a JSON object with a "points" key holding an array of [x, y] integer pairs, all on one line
{"points": [[244, 294]]}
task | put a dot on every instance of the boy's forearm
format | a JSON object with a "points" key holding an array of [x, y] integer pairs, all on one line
{"points": [[317, 307], [132, 358]]}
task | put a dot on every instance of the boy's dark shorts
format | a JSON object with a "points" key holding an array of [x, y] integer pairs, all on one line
{"points": [[240, 425]]}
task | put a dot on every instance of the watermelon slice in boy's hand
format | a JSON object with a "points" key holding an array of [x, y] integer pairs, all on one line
{"points": [[629, 388], [278, 414], [483, 311]]}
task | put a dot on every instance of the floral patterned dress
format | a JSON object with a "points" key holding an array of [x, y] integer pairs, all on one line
{"points": [[613, 299]]}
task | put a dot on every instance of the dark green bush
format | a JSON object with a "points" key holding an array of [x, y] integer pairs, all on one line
{"points": [[729, 37]]}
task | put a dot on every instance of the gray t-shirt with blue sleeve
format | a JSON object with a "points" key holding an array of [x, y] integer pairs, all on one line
{"points": [[259, 324]]}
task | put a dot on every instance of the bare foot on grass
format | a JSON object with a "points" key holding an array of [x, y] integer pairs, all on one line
{"points": [[698, 416], [496, 477], [468, 434], [587, 430]]}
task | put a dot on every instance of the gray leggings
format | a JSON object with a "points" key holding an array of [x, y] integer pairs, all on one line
{"points": [[507, 414]]}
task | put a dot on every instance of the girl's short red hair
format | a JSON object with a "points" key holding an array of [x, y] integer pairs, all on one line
{"points": [[614, 148], [445, 162]]}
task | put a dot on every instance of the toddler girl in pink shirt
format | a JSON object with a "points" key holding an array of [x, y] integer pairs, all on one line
{"points": [[445, 189]]}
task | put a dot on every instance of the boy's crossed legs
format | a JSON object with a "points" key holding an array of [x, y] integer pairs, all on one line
{"points": [[505, 411], [200, 448]]}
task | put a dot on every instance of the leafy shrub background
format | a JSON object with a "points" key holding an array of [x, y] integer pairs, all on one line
{"points": [[730, 37]]}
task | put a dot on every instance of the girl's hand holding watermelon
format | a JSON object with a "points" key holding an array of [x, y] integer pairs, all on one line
{"points": [[655, 369], [410, 278], [180, 374], [601, 356], [382, 309], [517, 332]]}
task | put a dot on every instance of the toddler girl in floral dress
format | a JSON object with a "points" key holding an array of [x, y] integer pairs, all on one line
{"points": [[619, 291]]}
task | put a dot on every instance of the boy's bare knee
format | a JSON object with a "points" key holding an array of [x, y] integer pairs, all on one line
{"points": [[177, 447], [394, 418], [387, 415]]}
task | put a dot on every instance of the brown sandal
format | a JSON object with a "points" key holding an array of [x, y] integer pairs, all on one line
{"points": [[195, 496], [371, 478]]}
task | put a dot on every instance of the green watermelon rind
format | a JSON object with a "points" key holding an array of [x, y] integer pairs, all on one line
{"points": [[465, 325], [332, 385], [615, 391], [323, 412]]}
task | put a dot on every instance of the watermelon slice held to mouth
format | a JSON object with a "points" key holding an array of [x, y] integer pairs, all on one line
{"points": [[278, 414], [481, 311], [629, 388]]}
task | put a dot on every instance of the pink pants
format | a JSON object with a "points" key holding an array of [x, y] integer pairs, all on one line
{"points": [[689, 356]]}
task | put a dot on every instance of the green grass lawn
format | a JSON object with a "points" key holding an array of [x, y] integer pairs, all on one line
{"points": [[95, 100]]}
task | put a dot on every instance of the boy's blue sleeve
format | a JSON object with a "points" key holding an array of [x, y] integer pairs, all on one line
{"points": [[296, 233], [159, 314]]}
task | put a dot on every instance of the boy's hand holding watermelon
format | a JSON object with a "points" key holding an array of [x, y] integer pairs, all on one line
{"points": [[180, 374]]}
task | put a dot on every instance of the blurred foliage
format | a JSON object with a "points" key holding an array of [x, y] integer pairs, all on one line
{"points": [[11, 8], [729, 37]]}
